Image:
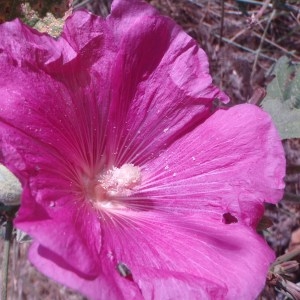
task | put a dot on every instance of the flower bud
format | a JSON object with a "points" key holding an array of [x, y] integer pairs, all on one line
{"points": [[10, 187]]}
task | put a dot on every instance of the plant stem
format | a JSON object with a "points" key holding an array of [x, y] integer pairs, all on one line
{"points": [[261, 43], [222, 22], [7, 240]]}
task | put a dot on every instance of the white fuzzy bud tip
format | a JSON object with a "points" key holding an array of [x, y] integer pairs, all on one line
{"points": [[10, 187]]}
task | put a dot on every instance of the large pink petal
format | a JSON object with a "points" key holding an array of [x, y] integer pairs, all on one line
{"points": [[41, 102], [159, 276], [29, 49], [170, 258], [72, 231], [222, 261], [109, 285], [51, 138], [111, 90], [160, 83], [48, 140], [53, 209], [232, 163]]}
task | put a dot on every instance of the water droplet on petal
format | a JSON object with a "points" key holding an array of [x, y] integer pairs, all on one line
{"points": [[52, 204], [174, 174], [166, 130], [166, 167], [110, 255]]}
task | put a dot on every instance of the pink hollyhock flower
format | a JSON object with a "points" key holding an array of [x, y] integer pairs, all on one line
{"points": [[133, 189]]}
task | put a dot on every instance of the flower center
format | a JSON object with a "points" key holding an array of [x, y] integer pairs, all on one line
{"points": [[116, 182]]}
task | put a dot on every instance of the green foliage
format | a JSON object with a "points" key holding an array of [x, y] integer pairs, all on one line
{"points": [[283, 98]]}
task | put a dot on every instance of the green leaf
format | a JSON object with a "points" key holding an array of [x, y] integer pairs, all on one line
{"points": [[282, 101]]}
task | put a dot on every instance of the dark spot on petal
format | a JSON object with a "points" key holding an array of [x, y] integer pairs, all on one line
{"points": [[124, 271], [228, 218]]}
